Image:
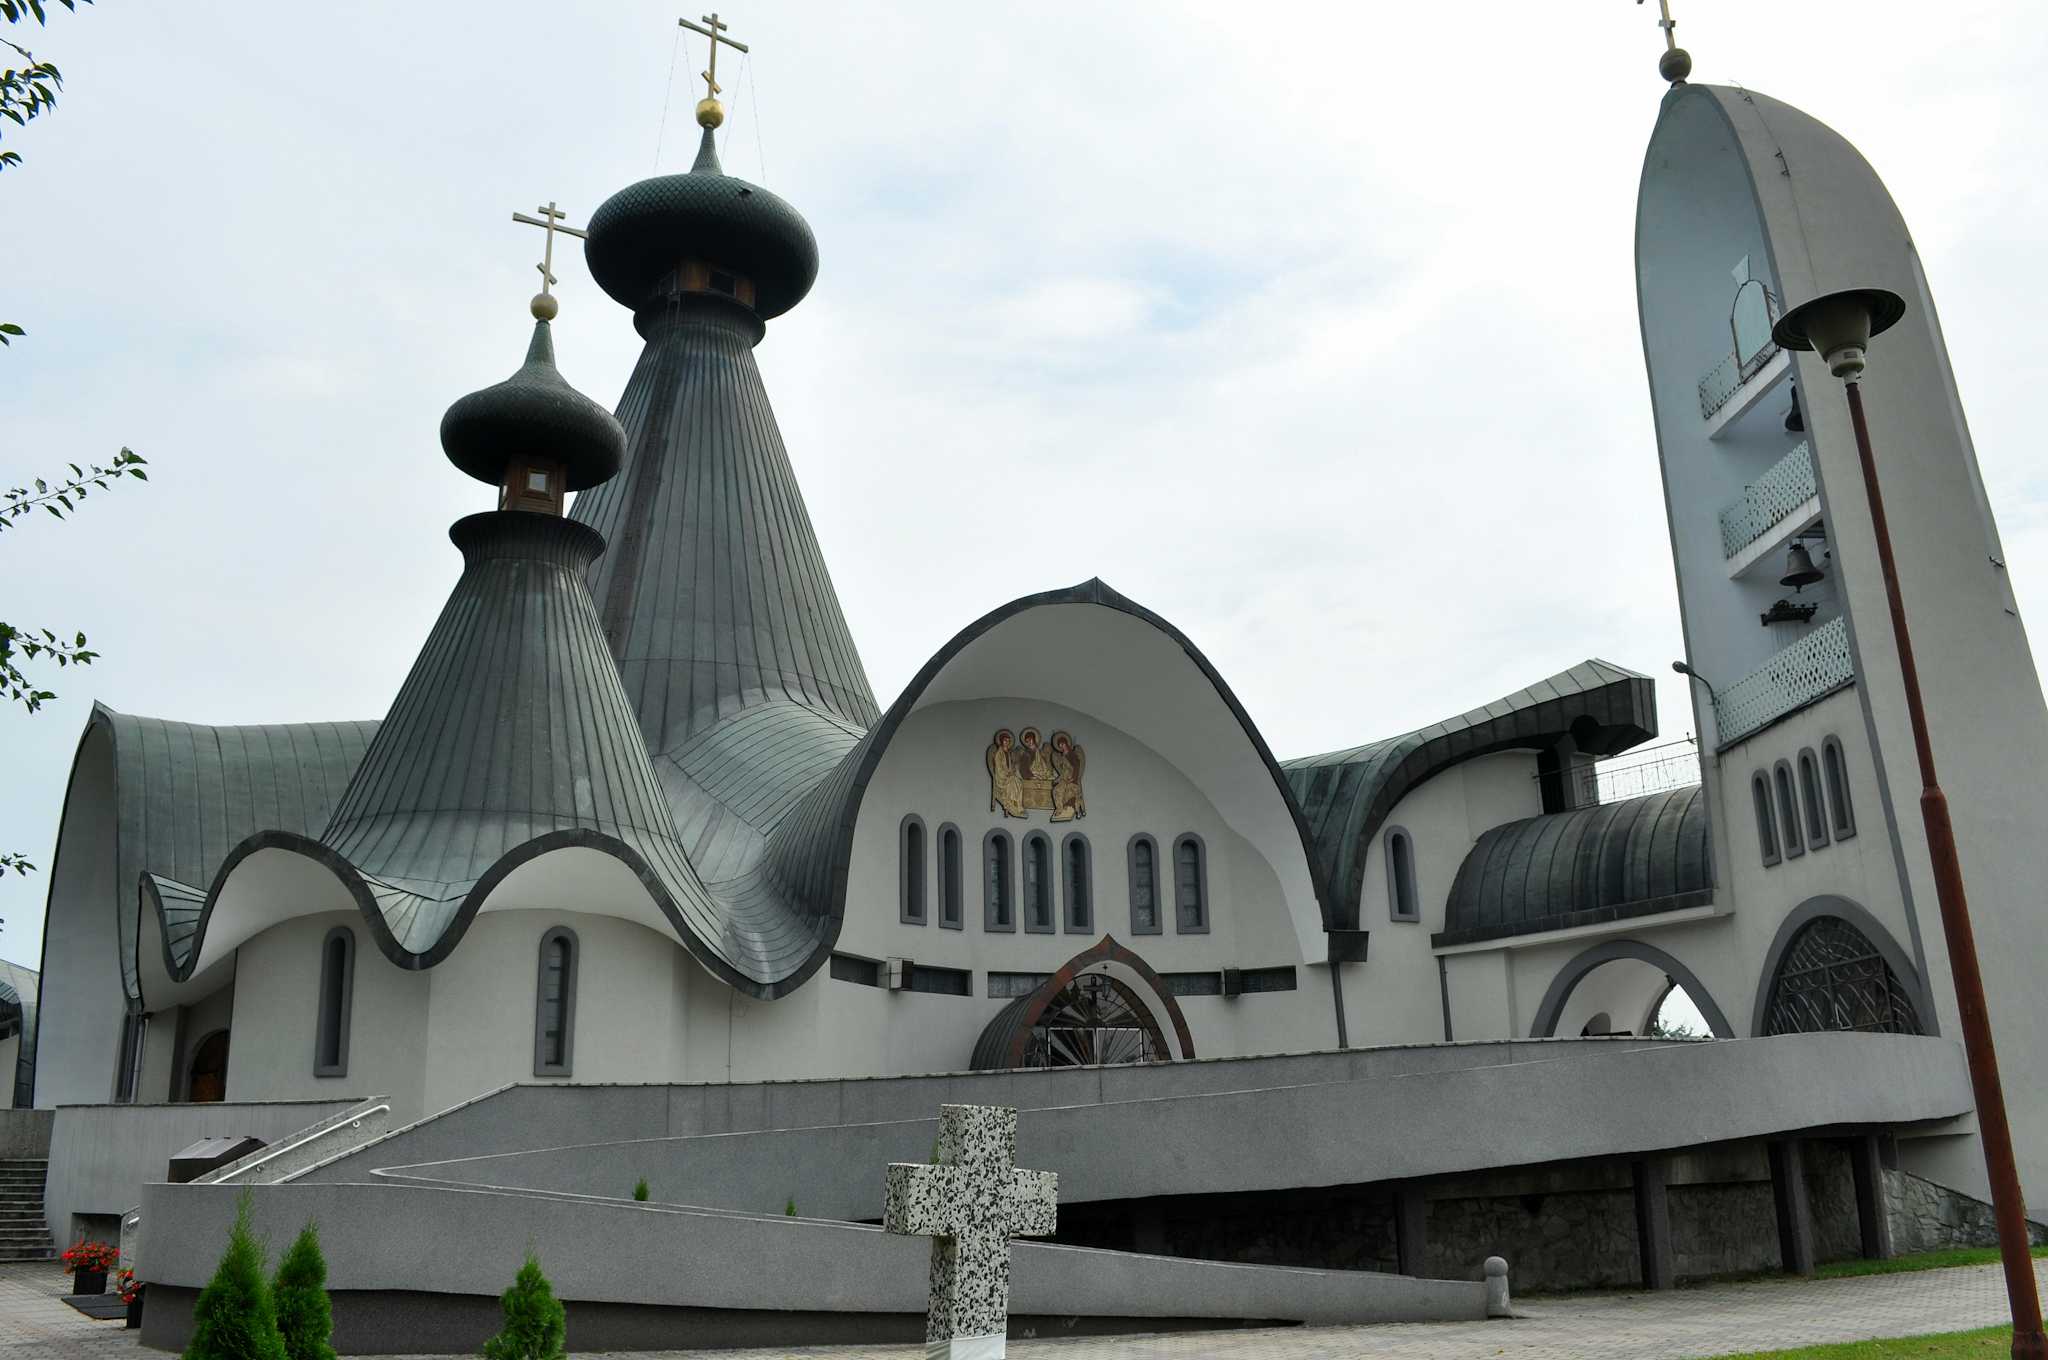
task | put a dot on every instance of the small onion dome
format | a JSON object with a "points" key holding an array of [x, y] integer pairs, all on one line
{"points": [[639, 234], [534, 415]]}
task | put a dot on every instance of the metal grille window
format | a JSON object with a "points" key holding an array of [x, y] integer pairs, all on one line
{"points": [[1038, 883], [1811, 800], [1190, 885], [1835, 764], [554, 1012], [1833, 978], [1144, 866], [337, 990], [1793, 843], [1766, 825], [949, 877], [998, 890], [1079, 872]]}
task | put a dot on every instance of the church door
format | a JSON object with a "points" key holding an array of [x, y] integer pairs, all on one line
{"points": [[1094, 1021], [208, 1083]]}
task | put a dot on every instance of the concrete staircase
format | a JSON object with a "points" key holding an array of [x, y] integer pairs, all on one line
{"points": [[23, 1234]]}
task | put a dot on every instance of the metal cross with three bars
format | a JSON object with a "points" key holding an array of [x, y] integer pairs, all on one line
{"points": [[553, 223], [716, 32]]}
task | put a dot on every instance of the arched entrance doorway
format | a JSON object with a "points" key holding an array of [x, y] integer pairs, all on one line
{"points": [[1106, 1007], [1629, 981], [207, 1080]]}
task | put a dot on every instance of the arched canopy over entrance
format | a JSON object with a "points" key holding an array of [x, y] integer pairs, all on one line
{"points": [[1106, 1007], [1572, 974]]}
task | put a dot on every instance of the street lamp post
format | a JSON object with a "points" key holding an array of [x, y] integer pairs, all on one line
{"points": [[1839, 326]]}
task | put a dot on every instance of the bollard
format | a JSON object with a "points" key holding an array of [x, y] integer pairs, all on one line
{"points": [[1497, 1288]]}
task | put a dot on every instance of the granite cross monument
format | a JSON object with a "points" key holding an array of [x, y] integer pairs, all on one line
{"points": [[970, 1201]]}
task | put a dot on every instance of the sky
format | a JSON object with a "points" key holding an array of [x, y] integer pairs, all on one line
{"points": [[1311, 327]]}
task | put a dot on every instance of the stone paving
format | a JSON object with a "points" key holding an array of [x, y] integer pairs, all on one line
{"points": [[1686, 1323]]}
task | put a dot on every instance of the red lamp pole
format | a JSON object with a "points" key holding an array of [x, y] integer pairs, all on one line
{"points": [[1839, 325]]}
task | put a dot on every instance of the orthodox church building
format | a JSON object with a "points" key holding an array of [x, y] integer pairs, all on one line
{"points": [[637, 815]]}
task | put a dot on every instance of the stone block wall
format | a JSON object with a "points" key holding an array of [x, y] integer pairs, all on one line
{"points": [[1928, 1217]]}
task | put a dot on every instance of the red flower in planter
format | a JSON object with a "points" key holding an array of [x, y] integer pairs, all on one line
{"points": [[90, 1257], [127, 1286]]}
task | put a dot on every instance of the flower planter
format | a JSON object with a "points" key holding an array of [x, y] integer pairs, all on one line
{"points": [[135, 1311], [89, 1282]]}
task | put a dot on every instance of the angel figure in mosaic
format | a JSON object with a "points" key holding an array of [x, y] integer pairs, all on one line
{"points": [[1069, 763], [1005, 785]]}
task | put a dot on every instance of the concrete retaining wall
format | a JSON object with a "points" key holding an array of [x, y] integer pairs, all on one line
{"points": [[25, 1134], [447, 1248]]}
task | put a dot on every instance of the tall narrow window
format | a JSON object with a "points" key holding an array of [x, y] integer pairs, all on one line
{"points": [[1190, 886], [1038, 883], [134, 1040], [337, 994], [998, 890], [1812, 801], [1143, 854], [949, 877], [1079, 873], [554, 1009], [1403, 902], [1835, 765], [1766, 825], [1788, 812], [910, 904]]}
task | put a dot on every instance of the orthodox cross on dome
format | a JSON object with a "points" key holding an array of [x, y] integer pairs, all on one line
{"points": [[1676, 63], [709, 112], [970, 1201], [550, 220]]}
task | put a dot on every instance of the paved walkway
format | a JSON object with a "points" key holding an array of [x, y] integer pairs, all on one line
{"points": [[1686, 1323]]}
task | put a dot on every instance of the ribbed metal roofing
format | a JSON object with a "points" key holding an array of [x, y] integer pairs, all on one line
{"points": [[1587, 865], [533, 416], [1346, 796]]}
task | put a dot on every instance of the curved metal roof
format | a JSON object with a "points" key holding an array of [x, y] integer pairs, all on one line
{"points": [[18, 998], [1346, 796], [639, 235], [1594, 864], [533, 416]]}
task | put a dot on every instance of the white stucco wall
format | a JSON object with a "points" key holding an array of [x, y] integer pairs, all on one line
{"points": [[79, 1025]]}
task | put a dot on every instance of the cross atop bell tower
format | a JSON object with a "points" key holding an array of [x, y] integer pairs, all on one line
{"points": [[710, 113]]}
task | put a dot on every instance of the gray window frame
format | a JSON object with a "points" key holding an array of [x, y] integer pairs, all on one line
{"points": [[1086, 925], [913, 872], [1841, 803], [1766, 817], [1180, 926], [953, 886], [1785, 785], [1400, 836], [541, 1066], [1006, 893], [337, 1003], [1158, 926], [1047, 879], [1813, 800]]}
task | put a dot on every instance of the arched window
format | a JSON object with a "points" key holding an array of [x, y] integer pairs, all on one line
{"points": [[1077, 868], [1038, 883], [1190, 885], [1766, 824], [1833, 977], [998, 883], [1403, 902], [337, 993], [554, 1006], [910, 871], [1812, 801], [949, 878], [1143, 855], [1835, 765], [1788, 812]]}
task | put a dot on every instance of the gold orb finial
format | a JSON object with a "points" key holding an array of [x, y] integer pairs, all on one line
{"points": [[710, 113], [544, 307]]}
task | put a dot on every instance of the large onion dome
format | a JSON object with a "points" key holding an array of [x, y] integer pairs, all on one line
{"points": [[534, 416], [642, 233]]}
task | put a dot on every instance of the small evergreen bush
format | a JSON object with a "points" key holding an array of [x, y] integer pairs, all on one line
{"points": [[233, 1318], [640, 1189], [535, 1325], [305, 1317], [789, 1209]]}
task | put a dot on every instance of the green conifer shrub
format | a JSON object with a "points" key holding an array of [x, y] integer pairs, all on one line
{"points": [[535, 1325], [304, 1315], [233, 1318], [789, 1209], [640, 1189]]}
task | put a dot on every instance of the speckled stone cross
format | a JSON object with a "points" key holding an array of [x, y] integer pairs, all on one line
{"points": [[971, 1201]]}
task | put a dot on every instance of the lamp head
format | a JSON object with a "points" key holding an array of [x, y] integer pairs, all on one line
{"points": [[1839, 326], [1681, 668]]}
